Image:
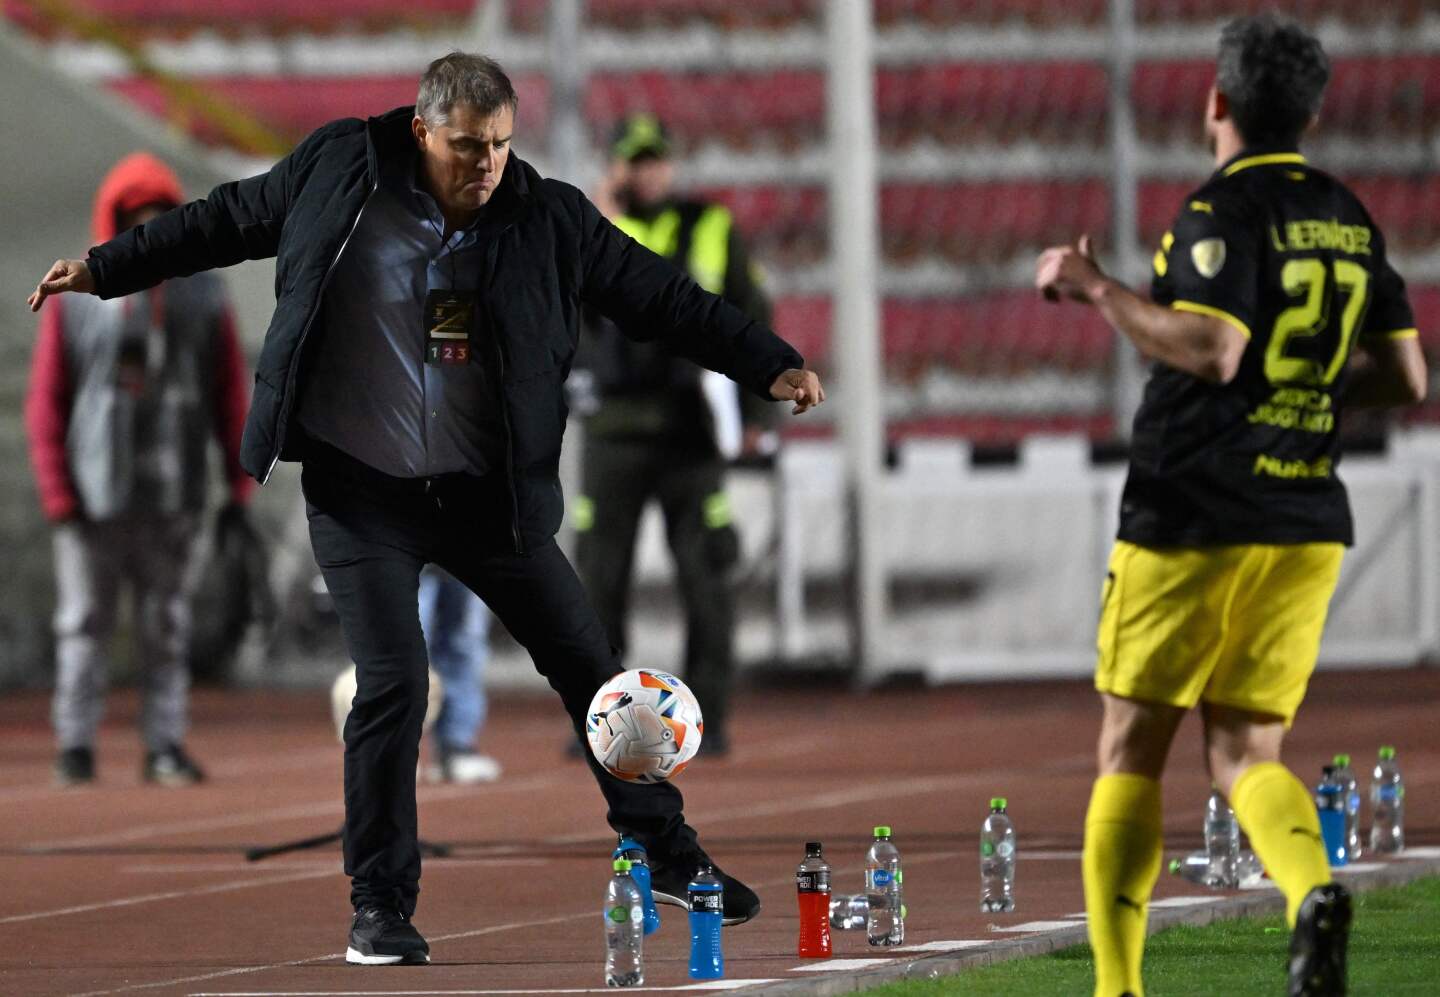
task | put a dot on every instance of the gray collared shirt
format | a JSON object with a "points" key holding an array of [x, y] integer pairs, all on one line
{"points": [[369, 391]]}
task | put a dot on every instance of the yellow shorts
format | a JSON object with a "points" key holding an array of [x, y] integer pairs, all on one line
{"points": [[1238, 626]]}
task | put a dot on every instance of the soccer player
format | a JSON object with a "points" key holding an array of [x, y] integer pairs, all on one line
{"points": [[1273, 307]]}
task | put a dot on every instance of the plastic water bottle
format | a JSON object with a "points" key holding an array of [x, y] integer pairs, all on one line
{"points": [[1351, 788], [849, 913], [885, 885], [812, 885], [997, 860], [1222, 840], [707, 911], [624, 929], [1195, 867], [1387, 805], [629, 848], [1330, 804]]}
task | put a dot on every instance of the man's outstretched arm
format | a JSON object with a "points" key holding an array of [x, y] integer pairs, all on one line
{"points": [[238, 221]]}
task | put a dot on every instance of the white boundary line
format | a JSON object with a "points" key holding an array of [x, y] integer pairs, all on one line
{"points": [[331, 807], [147, 898]]}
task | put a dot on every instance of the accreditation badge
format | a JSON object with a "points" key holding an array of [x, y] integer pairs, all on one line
{"points": [[448, 318]]}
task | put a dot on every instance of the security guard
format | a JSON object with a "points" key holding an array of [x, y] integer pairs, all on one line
{"points": [[660, 427]]}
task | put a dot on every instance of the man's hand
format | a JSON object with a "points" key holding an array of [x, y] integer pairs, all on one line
{"points": [[799, 386], [1069, 272], [64, 275]]}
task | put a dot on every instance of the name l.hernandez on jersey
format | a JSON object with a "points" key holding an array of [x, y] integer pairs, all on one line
{"points": [[1290, 257]]}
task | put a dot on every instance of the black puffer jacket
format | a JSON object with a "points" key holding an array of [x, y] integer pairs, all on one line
{"points": [[555, 251]]}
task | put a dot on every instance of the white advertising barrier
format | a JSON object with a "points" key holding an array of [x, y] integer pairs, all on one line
{"points": [[996, 572]]}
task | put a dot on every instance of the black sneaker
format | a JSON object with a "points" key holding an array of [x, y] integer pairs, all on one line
{"points": [[1317, 947], [670, 880], [380, 936], [171, 766], [75, 766]]}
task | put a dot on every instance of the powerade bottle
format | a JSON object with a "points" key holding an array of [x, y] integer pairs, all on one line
{"points": [[812, 885], [1330, 804], [707, 910], [885, 885], [624, 962], [997, 860], [629, 848], [1387, 805], [1351, 788]]}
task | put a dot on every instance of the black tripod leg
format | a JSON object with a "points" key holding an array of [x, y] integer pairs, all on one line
{"points": [[300, 844]]}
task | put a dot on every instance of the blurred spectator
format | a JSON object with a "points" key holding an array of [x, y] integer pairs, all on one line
{"points": [[125, 396], [660, 427], [457, 638]]}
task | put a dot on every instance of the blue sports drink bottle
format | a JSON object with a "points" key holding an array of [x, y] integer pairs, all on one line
{"points": [[629, 848], [1330, 804], [707, 906]]}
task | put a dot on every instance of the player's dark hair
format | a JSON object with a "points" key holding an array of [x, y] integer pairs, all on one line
{"points": [[1273, 74]]}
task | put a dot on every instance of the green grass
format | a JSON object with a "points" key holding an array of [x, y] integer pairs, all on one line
{"points": [[1394, 949]]}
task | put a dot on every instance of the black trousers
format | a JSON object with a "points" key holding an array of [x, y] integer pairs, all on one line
{"points": [[619, 478], [371, 535]]}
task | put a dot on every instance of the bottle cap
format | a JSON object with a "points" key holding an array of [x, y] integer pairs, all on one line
{"points": [[1174, 867], [812, 848], [1387, 753], [1341, 761], [998, 803], [622, 865], [882, 831]]}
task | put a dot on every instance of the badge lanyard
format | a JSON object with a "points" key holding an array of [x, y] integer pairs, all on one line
{"points": [[449, 314]]}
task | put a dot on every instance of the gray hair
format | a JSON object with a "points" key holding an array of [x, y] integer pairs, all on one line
{"points": [[462, 78]]}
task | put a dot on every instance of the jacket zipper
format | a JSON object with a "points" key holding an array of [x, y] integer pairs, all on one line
{"points": [[490, 258], [291, 374]]}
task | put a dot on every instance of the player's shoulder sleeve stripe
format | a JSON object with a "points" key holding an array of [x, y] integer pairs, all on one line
{"points": [[1393, 334], [1197, 308]]}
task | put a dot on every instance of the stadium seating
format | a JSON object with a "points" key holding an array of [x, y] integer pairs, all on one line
{"points": [[984, 160]]}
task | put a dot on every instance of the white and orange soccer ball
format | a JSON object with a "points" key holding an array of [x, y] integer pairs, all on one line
{"points": [[644, 725]]}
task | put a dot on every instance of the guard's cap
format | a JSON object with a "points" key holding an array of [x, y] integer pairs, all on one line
{"points": [[638, 136]]}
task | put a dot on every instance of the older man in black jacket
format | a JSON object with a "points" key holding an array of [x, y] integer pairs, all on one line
{"points": [[429, 288]]}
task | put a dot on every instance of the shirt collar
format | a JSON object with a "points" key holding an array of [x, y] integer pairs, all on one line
{"points": [[1261, 156]]}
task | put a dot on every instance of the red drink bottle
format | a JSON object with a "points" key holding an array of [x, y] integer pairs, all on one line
{"points": [[812, 884]]}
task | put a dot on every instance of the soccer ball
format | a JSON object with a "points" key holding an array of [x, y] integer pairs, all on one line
{"points": [[644, 725]]}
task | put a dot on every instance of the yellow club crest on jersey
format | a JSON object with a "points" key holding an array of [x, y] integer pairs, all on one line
{"points": [[1208, 255]]}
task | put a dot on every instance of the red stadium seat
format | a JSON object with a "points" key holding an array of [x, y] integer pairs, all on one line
{"points": [[1371, 96], [294, 106], [974, 222], [168, 17], [1000, 334]]}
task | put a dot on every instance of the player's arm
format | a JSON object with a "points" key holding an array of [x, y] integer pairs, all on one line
{"points": [[1207, 346], [1388, 367], [1386, 373]]}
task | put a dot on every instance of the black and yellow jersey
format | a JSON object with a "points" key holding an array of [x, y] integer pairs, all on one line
{"points": [[1289, 256]]}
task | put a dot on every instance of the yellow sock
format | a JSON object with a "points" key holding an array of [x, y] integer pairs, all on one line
{"points": [[1276, 811], [1121, 862]]}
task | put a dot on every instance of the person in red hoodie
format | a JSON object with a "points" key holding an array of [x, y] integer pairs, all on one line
{"points": [[124, 399]]}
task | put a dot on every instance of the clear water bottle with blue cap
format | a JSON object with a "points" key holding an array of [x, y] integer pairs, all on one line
{"points": [[1330, 805], [885, 886], [624, 930], [707, 910], [629, 848]]}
